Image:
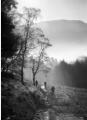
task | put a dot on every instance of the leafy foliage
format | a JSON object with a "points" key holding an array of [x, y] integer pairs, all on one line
{"points": [[9, 41]]}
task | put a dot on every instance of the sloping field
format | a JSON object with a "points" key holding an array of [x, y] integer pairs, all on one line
{"points": [[67, 104], [71, 102]]}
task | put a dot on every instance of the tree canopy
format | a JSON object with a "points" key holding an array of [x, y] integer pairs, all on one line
{"points": [[9, 41]]}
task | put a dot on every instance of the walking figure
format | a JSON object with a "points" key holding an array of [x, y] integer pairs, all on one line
{"points": [[53, 90], [45, 85], [36, 83]]}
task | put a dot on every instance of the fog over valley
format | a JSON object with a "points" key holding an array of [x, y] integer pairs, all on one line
{"points": [[68, 37]]}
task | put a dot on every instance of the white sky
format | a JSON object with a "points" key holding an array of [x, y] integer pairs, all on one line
{"points": [[60, 9], [67, 52]]}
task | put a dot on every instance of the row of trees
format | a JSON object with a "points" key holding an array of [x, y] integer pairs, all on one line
{"points": [[21, 41], [72, 74]]}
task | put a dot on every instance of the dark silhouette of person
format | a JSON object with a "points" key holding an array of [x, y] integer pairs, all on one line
{"points": [[45, 85], [36, 83], [53, 89]]}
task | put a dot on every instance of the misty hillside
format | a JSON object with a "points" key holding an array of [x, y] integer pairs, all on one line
{"points": [[72, 74], [65, 30], [72, 31]]}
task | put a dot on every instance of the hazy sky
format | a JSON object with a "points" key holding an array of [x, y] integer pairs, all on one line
{"points": [[68, 37], [58, 9], [63, 47]]}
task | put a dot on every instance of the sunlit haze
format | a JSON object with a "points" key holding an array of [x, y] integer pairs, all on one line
{"points": [[58, 9], [67, 47]]}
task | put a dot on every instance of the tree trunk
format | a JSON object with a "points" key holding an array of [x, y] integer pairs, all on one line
{"points": [[34, 79], [22, 74]]}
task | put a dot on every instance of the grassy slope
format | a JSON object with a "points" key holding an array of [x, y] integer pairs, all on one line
{"points": [[20, 102]]}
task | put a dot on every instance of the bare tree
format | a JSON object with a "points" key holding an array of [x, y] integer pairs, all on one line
{"points": [[28, 18], [32, 40], [39, 57]]}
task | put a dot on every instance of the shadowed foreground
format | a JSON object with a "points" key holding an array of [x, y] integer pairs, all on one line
{"points": [[27, 102]]}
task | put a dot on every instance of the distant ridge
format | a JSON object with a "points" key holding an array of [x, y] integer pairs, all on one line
{"points": [[65, 30]]}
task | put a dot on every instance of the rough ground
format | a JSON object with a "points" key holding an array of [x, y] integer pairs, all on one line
{"points": [[24, 102]]}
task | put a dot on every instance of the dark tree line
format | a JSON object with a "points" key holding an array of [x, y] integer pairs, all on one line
{"points": [[74, 74]]}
